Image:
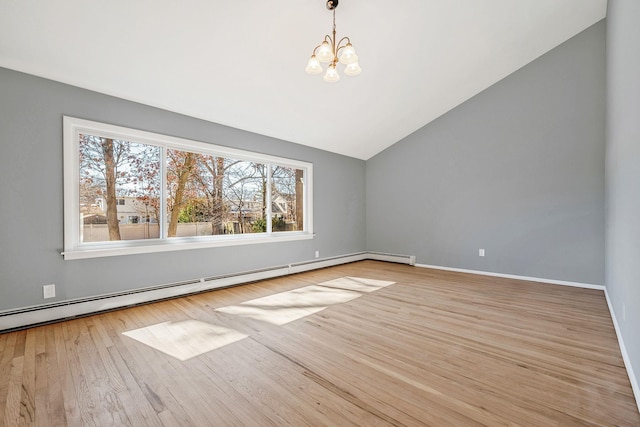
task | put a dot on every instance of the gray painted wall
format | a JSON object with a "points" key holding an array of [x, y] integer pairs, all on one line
{"points": [[517, 170], [31, 214], [623, 172]]}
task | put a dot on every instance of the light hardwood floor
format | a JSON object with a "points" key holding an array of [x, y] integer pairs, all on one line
{"points": [[368, 343]]}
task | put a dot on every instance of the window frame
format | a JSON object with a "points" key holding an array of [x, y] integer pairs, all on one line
{"points": [[75, 249]]}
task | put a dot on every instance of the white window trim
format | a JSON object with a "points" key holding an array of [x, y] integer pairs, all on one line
{"points": [[74, 249]]}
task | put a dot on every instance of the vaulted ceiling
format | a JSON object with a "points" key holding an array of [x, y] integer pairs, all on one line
{"points": [[241, 63]]}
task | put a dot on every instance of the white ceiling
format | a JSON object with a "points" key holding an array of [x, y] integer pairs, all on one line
{"points": [[241, 62]]}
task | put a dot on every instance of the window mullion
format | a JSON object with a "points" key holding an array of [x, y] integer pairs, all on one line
{"points": [[305, 211], [268, 200], [162, 221]]}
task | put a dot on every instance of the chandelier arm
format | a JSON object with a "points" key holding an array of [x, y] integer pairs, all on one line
{"points": [[332, 42], [315, 49], [327, 38], [340, 44]]}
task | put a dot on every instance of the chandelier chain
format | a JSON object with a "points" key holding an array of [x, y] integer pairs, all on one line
{"points": [[334, 20]]}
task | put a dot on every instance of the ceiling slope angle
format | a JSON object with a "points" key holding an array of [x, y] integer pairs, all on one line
{"points": [[242, 64]]}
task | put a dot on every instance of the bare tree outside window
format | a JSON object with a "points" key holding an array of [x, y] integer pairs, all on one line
{"points": [[112, 170], [209, 195], [287, 198]]}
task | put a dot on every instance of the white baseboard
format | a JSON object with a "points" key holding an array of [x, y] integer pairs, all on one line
{"points": [[326, 262], [45, 313], [513, 276], [19, 318], [625, 356]]}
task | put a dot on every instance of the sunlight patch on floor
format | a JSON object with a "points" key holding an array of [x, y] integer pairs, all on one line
{"points": [[186, 338], [358, 284], [285, 307]]}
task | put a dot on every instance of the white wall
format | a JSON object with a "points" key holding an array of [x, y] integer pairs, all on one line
{"points": [[623, 174]]}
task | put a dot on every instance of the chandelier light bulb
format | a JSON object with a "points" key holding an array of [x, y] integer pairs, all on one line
{"points": [[313, 67], [353, 69], [348, 55], [325, 54], [331, 76]]}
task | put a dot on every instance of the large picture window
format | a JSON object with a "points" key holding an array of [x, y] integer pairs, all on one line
{"points": [[130, 191]]}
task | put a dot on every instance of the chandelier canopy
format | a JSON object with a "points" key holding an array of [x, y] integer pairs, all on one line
{"points": [[332, 52]]}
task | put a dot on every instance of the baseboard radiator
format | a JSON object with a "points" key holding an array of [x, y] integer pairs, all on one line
{"points": [[21, 318]]}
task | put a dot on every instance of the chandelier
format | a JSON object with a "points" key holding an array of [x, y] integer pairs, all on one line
{"points": [[332, 52]]}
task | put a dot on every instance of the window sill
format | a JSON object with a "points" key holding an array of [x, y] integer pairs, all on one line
{"points": [[178, 244]]}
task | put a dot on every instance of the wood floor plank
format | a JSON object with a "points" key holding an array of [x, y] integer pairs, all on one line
{"points": [[429, 348], [55, 398], [14, 391], [85, 398], [64, 368], [27, 398], [5, 368], [41, 397]]}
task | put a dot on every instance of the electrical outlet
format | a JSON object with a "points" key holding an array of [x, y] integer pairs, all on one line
{"points": [[49, 291], [317, 254], [480, 252]]}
